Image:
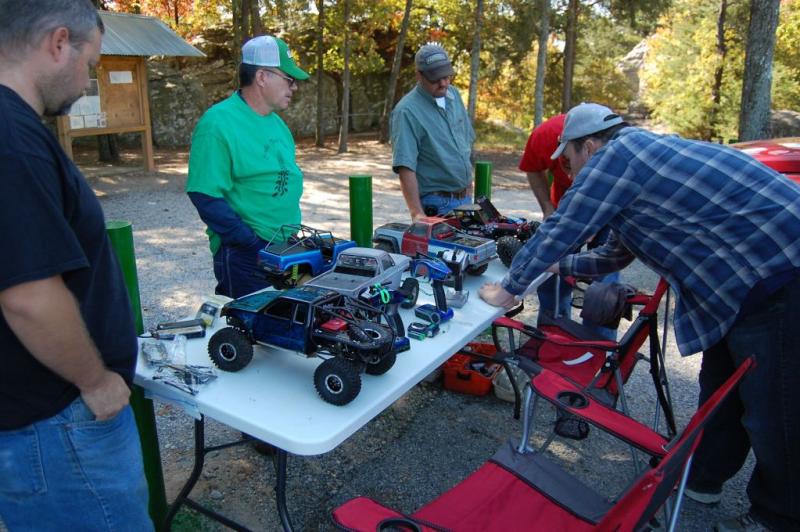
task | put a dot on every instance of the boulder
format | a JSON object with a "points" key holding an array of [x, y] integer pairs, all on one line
{"points": [[177, 101], [784, 123]]}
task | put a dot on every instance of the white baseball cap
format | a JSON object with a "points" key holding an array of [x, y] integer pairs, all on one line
{"points": [[585, 119], [269, 51]]}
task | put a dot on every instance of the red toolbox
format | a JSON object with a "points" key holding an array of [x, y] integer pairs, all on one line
{"points": [[468, 374]]}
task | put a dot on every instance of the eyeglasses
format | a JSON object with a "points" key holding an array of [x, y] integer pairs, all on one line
{"points": [[290, 80]]}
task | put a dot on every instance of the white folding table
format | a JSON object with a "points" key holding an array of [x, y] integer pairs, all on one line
{"points": [[273, 398]]}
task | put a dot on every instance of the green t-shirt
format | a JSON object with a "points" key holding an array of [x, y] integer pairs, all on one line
{"points": [[249, 161]]}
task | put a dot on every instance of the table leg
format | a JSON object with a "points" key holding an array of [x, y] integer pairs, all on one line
{"points": [[200, 451], [280, 488], [199, 460]]}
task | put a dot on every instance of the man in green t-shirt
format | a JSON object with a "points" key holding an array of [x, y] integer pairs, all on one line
{"points": [[243, 176]]}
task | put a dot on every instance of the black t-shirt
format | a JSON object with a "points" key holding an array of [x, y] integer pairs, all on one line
{"points": [[52, 224]]}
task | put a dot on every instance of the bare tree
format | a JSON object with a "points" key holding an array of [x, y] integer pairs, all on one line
{"points": [[757, 82], [541, 62], [345, 123], [475, 61], [570, 44], [320, 133], [394, 75], [716, 88]]}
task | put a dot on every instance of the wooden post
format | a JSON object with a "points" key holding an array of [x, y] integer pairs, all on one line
{"points": [[147, 134]]}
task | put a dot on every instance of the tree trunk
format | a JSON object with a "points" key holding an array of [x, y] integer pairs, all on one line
{"points": [[320, 133], [255, 19], [394, 75], [343, 130], [716, 88], [245, 7], [238, 32], [107, 149], [541, 62], [475, 61], [757, 82], [570, 43]]}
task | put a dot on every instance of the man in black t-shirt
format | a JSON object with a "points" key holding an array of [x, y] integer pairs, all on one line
{"points": [[70, 456]]}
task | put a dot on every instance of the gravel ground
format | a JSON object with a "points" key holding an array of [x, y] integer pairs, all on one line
{"points": [[424, 443]]}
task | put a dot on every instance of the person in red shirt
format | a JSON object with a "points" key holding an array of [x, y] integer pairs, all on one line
{"points": [[536, 163]]}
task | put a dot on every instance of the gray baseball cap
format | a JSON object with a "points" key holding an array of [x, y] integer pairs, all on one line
{"points": [[433, 62], [585, 119]]}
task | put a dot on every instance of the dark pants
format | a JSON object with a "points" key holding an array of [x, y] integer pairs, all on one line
{"points": [[764, 414], [237, 272]]}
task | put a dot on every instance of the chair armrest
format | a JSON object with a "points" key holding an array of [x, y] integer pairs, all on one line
{"points": [[560, 392]]}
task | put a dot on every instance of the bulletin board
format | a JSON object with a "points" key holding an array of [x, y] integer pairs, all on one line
{"points": [[116, 102]]}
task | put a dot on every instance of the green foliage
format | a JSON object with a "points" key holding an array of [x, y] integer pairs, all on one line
{"points": [[682, 59], [786, 74], [507, 95]]}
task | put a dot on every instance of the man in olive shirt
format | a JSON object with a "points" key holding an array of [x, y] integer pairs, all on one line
{"points": [[432, 139]]}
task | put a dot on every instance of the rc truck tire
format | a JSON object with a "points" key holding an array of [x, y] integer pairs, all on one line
{"points": [[410, 287], [230, 349], [507, 247], [477, 270], [337, 381], [383, 365], [370, 338]]}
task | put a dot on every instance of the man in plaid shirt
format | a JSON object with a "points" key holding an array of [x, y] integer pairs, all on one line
{"points": [[724, 230]]}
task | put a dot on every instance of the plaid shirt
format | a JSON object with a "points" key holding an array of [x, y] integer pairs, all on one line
{"points": [[708, 218]]}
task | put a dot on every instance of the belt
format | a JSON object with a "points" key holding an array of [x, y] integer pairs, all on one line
{"points": [[458, 194]]}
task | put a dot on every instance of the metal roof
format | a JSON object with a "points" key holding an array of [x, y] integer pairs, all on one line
{"points": [[139, 35]]}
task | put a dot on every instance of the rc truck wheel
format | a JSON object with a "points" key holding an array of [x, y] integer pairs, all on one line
{"points": [[410, 287], [383, 365], [507, 247], [230, 349], [477, 270], [371, 337], [337, 381], [385, 246]]}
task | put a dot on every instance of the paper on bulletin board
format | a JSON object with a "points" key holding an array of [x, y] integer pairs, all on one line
{"points": [[118, 77], [85, 112]]}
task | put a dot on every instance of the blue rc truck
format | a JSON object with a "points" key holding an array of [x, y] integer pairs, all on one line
{"points": [[313, 322]]}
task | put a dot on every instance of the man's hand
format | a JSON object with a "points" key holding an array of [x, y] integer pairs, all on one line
{"points": [[496, 295], [106, 397]]}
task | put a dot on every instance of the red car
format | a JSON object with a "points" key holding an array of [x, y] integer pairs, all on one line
{"points": [[782, 155]]}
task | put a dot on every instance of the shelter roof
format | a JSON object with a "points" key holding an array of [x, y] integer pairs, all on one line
{"points": [[139, 35]]}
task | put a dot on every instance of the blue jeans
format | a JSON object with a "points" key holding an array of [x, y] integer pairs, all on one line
{"points": [[443, 204], [237, 271], [764, 414], [547, 302], [70, 472]]}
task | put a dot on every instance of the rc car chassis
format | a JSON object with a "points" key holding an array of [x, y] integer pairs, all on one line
{"points": [[314, 322]]}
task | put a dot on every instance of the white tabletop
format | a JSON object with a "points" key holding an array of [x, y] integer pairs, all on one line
{"points": [[274, 398]]}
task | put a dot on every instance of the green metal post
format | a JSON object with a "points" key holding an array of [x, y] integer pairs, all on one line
{"points": [[120, 233], [483, 179], [361, 210]]}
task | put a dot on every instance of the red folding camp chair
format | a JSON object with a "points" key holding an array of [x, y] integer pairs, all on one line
{"points": [[522, 490], [600, 366]]}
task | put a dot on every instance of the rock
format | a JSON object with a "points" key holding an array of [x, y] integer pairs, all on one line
{"points": [[630, 66], [216, 495], [177, 101], [784, 123]]}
